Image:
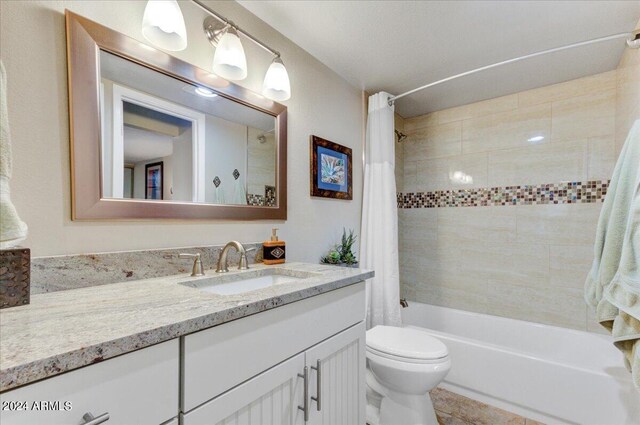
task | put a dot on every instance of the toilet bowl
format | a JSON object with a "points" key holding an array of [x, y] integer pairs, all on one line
{"points": [[403, 365]]}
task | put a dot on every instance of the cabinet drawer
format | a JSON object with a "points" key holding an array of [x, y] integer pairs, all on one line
{"points": [[220, 358], [139, 387]]}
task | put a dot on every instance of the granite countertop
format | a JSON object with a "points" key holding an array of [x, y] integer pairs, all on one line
{"points": [[64, 330]]}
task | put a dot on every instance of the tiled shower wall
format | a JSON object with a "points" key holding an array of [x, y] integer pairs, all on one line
{"points": [[515, 258]]}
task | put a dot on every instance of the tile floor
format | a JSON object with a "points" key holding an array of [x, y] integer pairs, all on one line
{"points": [[454, 409]]}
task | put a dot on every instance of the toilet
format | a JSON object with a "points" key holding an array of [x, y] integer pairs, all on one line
{"points": [[403, 365]]}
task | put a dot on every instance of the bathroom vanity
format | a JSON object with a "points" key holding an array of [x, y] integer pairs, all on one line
{"points": [[176, 351]]}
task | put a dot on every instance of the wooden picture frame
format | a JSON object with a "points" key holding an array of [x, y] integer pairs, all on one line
{"points": [[154, 180], [331, 169]]}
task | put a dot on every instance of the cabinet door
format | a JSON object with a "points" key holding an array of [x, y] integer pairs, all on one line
{"points": [[338, 397], [271, 398]]}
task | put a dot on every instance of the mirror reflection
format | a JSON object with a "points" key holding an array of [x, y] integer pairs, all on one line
{"points": [[164, 139]]}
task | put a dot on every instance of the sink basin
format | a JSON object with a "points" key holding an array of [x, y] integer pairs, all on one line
{"points": [[246, 282]]}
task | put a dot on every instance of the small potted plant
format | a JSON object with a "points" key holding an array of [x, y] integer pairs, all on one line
{"points": [[342, 254]]}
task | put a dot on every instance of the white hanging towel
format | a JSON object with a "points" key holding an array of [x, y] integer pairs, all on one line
{"points": [[379, 233], [12, 229], [239, 195], [613, 284]]}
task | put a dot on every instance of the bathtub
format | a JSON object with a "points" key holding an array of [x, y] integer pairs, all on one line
{"points": [[550, 374]]}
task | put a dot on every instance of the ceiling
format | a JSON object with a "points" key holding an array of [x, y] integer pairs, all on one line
{"points": [[143, 145], [395, 46]]}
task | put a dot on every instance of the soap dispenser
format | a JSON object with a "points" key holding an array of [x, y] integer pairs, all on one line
{"points": [[273, 251]]}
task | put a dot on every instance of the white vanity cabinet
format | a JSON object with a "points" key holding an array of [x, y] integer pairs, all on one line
{"points": [[264, 368], [135, 388], [301, 363]]}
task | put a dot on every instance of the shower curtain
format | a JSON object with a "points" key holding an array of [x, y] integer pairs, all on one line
{"points": [[379, 233]]}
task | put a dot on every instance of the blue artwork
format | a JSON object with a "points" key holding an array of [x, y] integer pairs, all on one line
{"points": [[332, 168]]}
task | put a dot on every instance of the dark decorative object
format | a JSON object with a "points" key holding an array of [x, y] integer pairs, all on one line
{"points": [[342, 254], [331, 169], [155, 180], [216, 181], [236, 174], [270, 195], [14, 277]]}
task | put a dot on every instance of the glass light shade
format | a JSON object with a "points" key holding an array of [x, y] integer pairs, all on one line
{"points": [[276, 84], [163, 25], [229, 60]]}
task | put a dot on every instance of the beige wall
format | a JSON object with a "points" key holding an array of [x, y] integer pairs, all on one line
{"points": [[526, 262], [33, 51]]}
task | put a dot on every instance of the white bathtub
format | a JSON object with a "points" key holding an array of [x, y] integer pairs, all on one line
{"points": [[551, 374]]}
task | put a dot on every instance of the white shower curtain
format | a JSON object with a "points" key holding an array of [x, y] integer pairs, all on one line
{"points": [[379, 233]]}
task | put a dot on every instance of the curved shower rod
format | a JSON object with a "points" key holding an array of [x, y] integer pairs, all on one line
{"points": [[633, 41]]}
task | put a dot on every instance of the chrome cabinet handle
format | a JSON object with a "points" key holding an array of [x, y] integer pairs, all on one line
{"points": [[89, 419], [305, 404], [318, 385]]}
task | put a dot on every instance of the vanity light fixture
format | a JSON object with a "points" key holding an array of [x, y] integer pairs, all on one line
{"points": [[205, 92], [535, 139], [276, 84], [163, 25], [229, 60]]}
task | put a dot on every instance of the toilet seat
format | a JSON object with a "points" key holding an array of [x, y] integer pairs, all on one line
{"points": [[405, 345], [373, 352]]}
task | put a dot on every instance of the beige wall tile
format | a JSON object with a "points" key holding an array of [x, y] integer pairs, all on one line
{"points": [[409, 176], [570, 265], [505, 130], [398, 122], [477, 224], [562, 224], [602, 158], [451, 288], [628, 96], [592, 84], [399, 166], [536, 164], [525, 262], [478, 109], [453, 172], [583, 117], [417, 123], [517, 263], [434, 142], [552, 305], [418, 224]]}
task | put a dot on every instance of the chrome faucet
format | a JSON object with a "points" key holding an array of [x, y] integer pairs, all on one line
{"points": [[198, 269], [223, 267]]}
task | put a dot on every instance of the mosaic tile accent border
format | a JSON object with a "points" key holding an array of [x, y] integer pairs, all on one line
{"points": [[255, 200], [590, 191], [260, 201]]}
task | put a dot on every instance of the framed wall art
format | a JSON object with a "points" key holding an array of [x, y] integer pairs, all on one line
{"points": [[154, 177], [331, 169]]}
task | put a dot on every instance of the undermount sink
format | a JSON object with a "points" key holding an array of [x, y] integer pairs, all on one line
{"points": [[246, 282]]}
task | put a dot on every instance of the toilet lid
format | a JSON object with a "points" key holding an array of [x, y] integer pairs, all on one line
{"points": [[405, 342]]}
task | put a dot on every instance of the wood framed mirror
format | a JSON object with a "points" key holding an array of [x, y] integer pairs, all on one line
{"points": [[154, 137]]}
